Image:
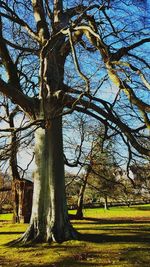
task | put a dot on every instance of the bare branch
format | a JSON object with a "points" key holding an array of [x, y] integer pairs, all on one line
{"points": [[110, 117], [83, 76], [26, 103], [24, 49], [39, 14], [15, 18], [143, 107], [124, 50]]}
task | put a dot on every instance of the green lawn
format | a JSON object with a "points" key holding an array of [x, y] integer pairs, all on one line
{"points": [[6, 217], [118, 212], [117, 237]]}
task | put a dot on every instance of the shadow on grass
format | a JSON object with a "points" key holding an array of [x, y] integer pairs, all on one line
{"points": [[117, 237], [132, 230], [143, 208], [136, 256], [64, 263], [90, 220], [115, 233], [11, 233], [84, 259], [104, 238]]}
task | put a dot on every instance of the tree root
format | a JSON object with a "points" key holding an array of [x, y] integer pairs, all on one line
{"points": [[32, 236]]}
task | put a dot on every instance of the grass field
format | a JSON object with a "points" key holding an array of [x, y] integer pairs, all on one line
{"points": [[117, 237]]}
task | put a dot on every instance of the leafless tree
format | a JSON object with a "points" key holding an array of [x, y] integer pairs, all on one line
{"points": [[60, 57]]}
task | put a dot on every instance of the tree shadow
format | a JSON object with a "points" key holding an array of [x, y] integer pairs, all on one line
{"points": [[143, 208], [106, 238], [86, 258], [89, 259], [136, 256], [117, 229], [11, 233], [90, 220], [80, 258]]}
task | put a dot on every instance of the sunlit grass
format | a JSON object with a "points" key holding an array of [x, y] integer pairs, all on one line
{"points": [[119, 212], [103, 243], [6, 217]]}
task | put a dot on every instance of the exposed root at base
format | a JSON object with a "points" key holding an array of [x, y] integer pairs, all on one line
{"points": [[31, 237]]}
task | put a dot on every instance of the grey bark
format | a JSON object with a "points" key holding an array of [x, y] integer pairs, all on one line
{"points": [[49, 220]]}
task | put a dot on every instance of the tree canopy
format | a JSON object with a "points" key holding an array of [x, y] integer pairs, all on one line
{"points": [[94, 42]]}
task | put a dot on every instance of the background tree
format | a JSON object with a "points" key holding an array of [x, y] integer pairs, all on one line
{"points": [[79, 213], [141, 174], [56, 57], [104, 170], [5, 196], [79, 144], [12, 141]]}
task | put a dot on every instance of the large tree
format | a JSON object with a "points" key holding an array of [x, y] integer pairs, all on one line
{"points": [[58, 57]]}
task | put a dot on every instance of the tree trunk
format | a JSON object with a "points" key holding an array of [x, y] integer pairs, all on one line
{"points": [[17, 205], [106, 203], [22, 200], [79, 213], [49, 219], [15, 199]]}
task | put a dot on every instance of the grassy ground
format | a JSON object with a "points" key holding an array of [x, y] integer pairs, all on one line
{"points": [[118, 237]]}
